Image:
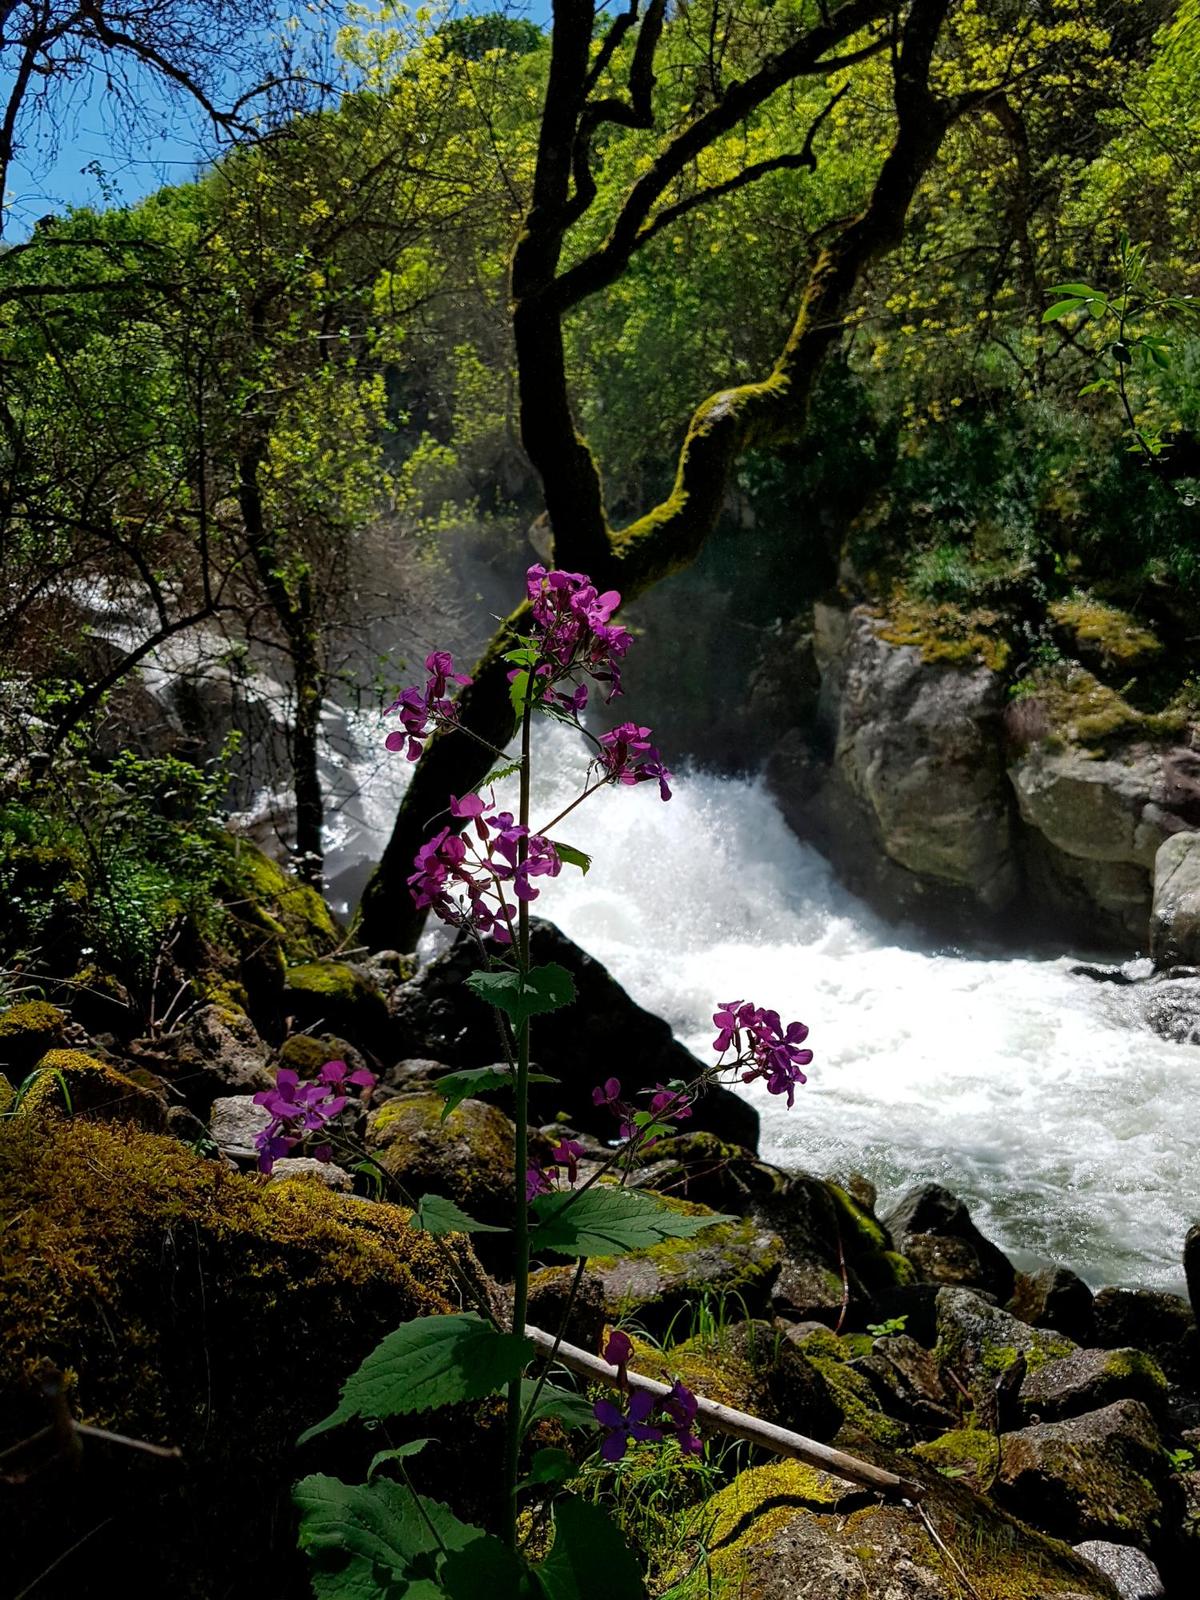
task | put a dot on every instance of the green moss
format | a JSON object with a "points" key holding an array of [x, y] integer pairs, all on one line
{"points": [[973, 1450], [335, 995], [303, 1054], [468, 1157], [861, 1233], [1077, 708], [761, 1502], [267, 903], [946, 634], [28, 1030], [1138, 1368], [186, 1304], [1116, 637], [80, 1084]]}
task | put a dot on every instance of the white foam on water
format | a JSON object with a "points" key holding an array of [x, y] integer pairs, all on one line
{"points": [[1072, 1133]]}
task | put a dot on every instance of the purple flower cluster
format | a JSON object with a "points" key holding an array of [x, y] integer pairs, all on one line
{"points": [[461, 877], [422, 710], [541, 1177], [574, 631], [627, 756], [664, 1103], [765, 1048], [298, 1109], [676, 1414]]}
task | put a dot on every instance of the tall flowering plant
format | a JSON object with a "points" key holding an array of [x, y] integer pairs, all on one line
{"points": [[480, 873]]}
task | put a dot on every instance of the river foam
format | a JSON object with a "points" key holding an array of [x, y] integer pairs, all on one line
{"points": [[1073, 1133]]}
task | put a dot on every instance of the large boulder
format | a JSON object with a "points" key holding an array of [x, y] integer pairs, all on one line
{"points": [[27, 1031], [789, 1532], [1175, 911], [467, 1158], [340, 996], [1102, 1475], [217, 1051], [1133, 1572], [1054, 1297], [978, 1342], [913, 743], [1153, 1320], [1095, 820], [185, 1305], [1088, 1380], [602, 1034], [933, 1227]]}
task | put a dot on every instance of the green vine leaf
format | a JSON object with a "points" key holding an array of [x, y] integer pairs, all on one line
{"points": [[429, 1362], [401, 1453], [606, 1221], [521, 996]]}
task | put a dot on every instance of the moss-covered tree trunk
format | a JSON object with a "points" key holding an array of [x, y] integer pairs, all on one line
{"points": [[774, 410]]}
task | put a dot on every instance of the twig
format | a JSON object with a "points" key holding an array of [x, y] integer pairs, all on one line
{"points": [[711, 1415]]}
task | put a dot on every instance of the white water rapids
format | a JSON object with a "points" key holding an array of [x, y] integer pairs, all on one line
{"points": [[1072, 1132]]}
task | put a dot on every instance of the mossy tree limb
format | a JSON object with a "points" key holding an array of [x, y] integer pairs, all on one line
{"points": [[774, 410]]}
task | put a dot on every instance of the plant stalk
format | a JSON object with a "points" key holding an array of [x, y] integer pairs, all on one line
{"points": [[521, 1156]]}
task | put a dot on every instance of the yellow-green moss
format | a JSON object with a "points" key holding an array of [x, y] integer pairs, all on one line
{"points": [[1140, 1369], [73, 1081], [266, 900], [303, 1054], [1115, 636], [946, 634], [851, 1391], [1079, 709], [27, 1030], [970, 1450], [468, 1157], [7, 1095]]}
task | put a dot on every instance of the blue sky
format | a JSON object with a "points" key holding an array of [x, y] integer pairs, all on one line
{"points": [[93, 164]]}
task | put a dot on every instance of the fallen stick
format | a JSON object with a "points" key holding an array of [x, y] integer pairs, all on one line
{"points": [[711, 1415]]}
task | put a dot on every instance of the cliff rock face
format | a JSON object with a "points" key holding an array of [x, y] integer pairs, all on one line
{"points": [[941, 797], [1175, 914]]}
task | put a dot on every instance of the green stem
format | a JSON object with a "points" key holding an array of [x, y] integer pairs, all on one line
{"points": [[521, 1156]]}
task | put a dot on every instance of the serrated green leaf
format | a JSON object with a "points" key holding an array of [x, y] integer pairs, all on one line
{"points": [[589, 1560], [564, 1405], [550, 1465], [572, 857], [519, 996], [523, 656], [400, 1453], [498, 774], [604, 1221], [517, 690], [357, 1533], [459, 1086], [1063, 308], [429, 1362], [485, 1569], [439, 1216]]}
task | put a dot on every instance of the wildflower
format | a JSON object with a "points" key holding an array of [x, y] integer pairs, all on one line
{"points": [[461, 877], [618, 1351], [627, 756], [680, 1409], [620, 1429], [297, 1109], [422, 711], [566, 1154], [607, 1093], [536, 1182], [765, 1048]]}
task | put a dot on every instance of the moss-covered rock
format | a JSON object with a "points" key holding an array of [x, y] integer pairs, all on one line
{"points": [[27, 1031], [710, 1170], [184, 1305], [972, 1453], [1103, 1475], [264, 898], [217, 1051], [337, 996], [734, 1259], [850, 1389], [977, 1341], [789, 1532], [1090, 1379], [1103, 636], [468, 1158], [81, 1085]]}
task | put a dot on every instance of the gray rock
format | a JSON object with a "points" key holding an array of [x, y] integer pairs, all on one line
{"points": [[906, 1377], [978, 1342], [1175, 912], [311, 1170], [931, 1209], [1103, 1475], [218, 1050], [233, 1122], [1152, 1320], [1090, 1379], [1131, 1570]]}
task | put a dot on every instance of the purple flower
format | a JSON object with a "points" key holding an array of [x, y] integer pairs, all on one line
{"points": [[607, 1093], [618, 1351], [566, 1154], [575, 636], [297, 1109], [627, 756], [422, 711], [462, 877], [536, 1182], [680, 1409], [620, 1429], [670, 1103], [765, 1048]]}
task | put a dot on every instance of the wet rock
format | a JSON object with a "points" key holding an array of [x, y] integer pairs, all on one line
{"points": [[1175, 912], [468, 1158], [1162, 1324], [1054, 1297], [1102, 1475], [1131, 1570], [907, 1378], [937, 1259], [979, 1342], [436, 1017], [788, 1532], [1090, 1379], [1169, 1006], [931, 1209]]}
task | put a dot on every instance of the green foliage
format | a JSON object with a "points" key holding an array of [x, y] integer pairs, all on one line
{"points": [[434, 1214], [589, 1559], [435, 1361], [521, 996], [607, 1221], [471, 1081]]}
